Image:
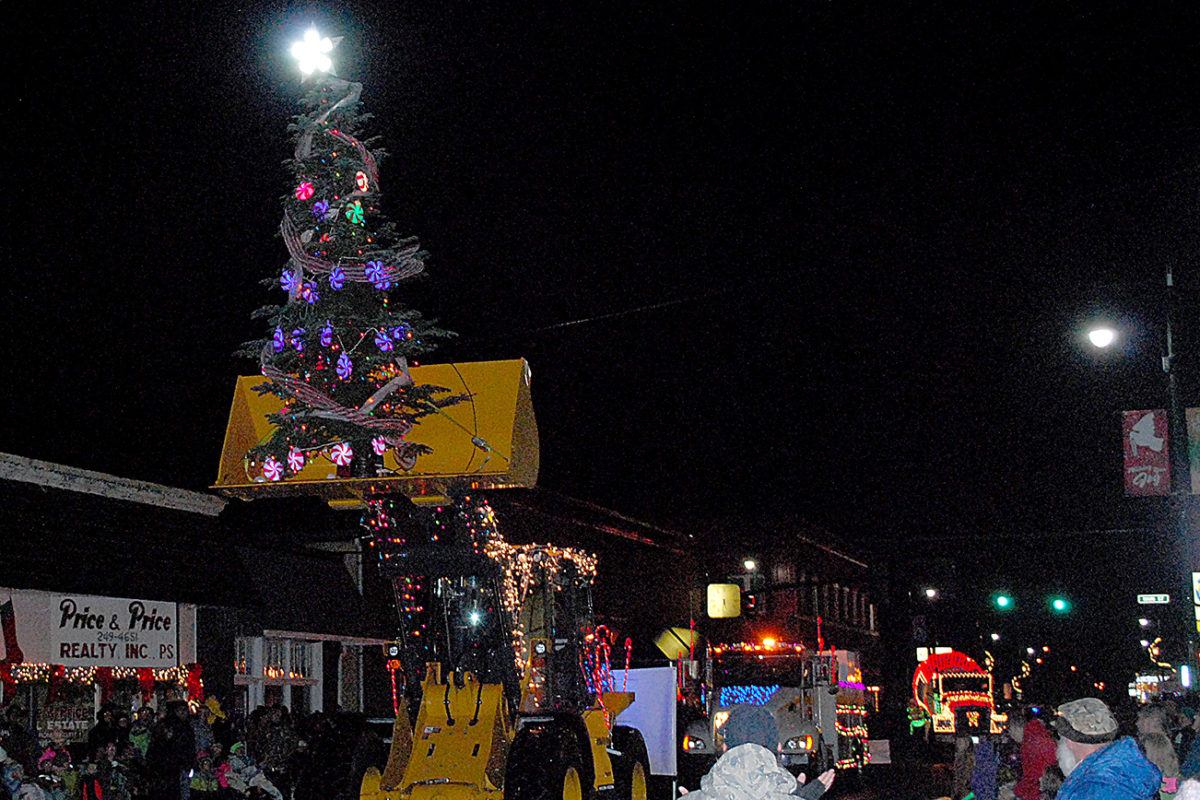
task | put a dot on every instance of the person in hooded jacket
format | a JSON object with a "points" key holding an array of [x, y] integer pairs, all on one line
{"points": [[749, 769], [1037, 753], [1099, 766]]}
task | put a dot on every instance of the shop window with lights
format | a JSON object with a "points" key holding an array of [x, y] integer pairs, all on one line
{"points": [[279, 672]]}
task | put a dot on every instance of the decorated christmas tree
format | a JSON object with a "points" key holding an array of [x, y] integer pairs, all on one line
{"points": [[338, 344]]}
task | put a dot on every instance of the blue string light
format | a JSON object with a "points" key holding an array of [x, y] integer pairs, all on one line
{"points": [[746, 695]]}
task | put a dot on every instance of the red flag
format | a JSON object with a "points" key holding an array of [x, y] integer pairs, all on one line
{"points": [[1147, 453]]}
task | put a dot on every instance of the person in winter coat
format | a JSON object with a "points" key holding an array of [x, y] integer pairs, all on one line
{"points": [[1161, 753], [1096, 766], [104, 730], [1190, 767], [139, 730], [58, 744], [984, 775], [749, 770], [1037, 753], [243, 774], [172, 753]]}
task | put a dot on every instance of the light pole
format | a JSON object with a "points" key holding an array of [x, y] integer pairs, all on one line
{"points": [[1101, 336]]}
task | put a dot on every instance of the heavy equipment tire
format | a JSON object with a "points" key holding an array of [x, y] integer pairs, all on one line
{"points": [[544, 763], [631, 769]]}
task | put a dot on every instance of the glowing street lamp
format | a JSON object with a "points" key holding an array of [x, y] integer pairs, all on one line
{"points": [[995, 637], [750, 564], [312, 52], [931, 593], [1102, 337]]}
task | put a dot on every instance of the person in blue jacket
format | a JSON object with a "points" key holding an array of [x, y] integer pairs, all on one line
{"points": [[1098, 765]]}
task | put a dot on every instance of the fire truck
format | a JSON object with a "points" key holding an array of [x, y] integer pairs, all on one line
{"points": [[956, 694], [817, 699]]}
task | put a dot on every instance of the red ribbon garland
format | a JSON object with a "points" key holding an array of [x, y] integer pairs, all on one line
{"points": [[146, 682], [7, 681], [104, 678], [195, 685]]}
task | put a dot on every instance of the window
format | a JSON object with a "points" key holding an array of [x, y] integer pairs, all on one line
{"points": [[284, 671]]}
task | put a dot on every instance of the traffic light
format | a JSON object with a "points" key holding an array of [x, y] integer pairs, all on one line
{"points": [[1002, 601], [754, 603], [1060, 605]]}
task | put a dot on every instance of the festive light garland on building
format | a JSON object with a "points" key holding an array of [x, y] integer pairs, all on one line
{"points": [[42, 673]]}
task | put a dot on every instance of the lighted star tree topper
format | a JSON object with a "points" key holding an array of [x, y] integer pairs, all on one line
{"points": [[338, 345]]}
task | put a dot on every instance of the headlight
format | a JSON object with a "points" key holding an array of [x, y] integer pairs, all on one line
{"points": [[691, 744], [792, 744]]}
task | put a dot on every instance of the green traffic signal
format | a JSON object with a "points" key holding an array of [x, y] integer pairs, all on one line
{"points": [[1002, 601], [1060, 605]]}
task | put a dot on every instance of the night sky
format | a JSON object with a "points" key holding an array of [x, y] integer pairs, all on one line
{"points": [[879, 228]]}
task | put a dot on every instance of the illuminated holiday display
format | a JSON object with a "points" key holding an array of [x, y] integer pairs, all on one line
{"points": [[953, 690]]}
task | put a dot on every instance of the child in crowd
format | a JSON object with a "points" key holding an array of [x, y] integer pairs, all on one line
{"points": [[1161, 753], [244, 773], [204, 778]]}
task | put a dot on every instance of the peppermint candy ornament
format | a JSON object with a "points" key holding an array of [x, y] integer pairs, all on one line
{"points": [[272, 469], [320, 210], [287, 281], [298, 339], [345, 367], [360, 180], [304, 190], [295, 460], [378, 275], [383, 341], [309, 292], [355, 213], [278, 341], [379, 445], [337, 278], [342, 454], [326, 334]]}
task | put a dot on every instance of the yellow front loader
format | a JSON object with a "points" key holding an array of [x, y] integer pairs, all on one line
{"points": [[503, 705]]}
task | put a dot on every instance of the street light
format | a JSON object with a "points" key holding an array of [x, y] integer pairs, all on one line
{"points": [[1002, 601], [1102, 337], [931, 593], [995, 637], [1029, 650], [1145, 623], [1060, 605], [750, 564]]}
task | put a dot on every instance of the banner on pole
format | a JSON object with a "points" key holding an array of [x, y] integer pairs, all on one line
{"points": [[1147, 449], [1193, 430]]}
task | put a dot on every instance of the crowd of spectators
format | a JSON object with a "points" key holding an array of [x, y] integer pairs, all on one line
{"points": [[190, 751]]}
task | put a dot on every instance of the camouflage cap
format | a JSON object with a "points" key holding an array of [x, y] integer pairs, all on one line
{"points": [[1087, 721]]}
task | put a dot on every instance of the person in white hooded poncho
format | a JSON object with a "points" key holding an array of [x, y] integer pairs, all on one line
{"points": [[749, 769]]}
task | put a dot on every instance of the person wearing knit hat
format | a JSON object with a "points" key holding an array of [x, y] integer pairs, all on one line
{"points": [[747, 724], [749, 768]]}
